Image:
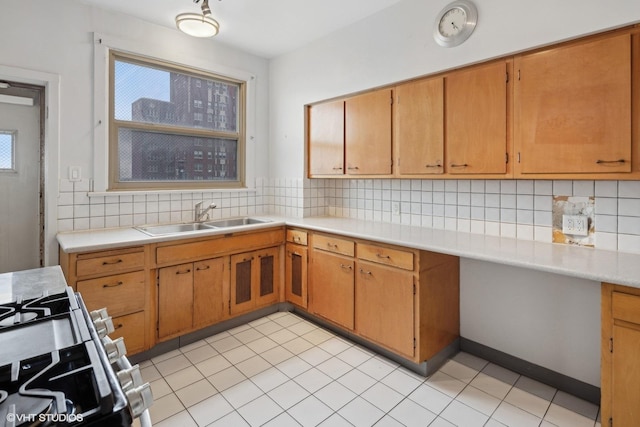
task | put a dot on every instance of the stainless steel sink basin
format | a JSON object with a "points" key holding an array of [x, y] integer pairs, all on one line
{"points": [[235, 222], [160, 230], [167, 229]]}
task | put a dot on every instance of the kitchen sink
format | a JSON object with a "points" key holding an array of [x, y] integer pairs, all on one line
{"points": [[235, 222], [160, 230], [163, 230]]}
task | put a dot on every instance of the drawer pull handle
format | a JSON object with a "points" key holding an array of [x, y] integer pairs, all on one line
{"points": [[365, 272], [118, 326], [332, 245], [383, 256], [433, 166], [188, 270], [112, 285], [346, 267], [464, 165], [337, 168], [351, 168], [118, 261], [296, 239], [604, 162], [203, 268]]}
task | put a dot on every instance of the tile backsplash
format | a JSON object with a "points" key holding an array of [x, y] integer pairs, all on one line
{"points": [[519, 209]]}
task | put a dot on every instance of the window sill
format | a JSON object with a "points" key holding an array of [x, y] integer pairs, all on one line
{"points": [[146, 192]]}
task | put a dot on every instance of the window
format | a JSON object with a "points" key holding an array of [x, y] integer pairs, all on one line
{"points": [[154, 126], [7, 150]]}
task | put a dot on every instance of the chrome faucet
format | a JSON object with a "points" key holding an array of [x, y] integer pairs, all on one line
{"points": [[199, 214]]}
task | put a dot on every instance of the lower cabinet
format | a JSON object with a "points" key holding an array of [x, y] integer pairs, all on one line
{"points": [[620, 365], [191, 296], [385, 306], [295, 268], [254, 279], [404, 300], [332, 287]]}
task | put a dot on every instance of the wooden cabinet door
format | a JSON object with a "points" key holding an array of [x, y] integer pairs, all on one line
{"points": [[573, 108], [242, 292], [175, 299], [476, 120], [210, 279], [368, 133], [331, 287], [621, 346], [295, 281], [267, 276], [419, 127], [326, 138], [384, 306]]}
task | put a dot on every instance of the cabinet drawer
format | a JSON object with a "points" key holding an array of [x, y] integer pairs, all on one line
{"points": [[334, 244], [297, 236], [122, 293], [131, 328], [109, 263], [212, 248], [626, 307], [387, 256]]}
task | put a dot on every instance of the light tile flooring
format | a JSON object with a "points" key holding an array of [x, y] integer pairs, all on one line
{"points": [[282, 370]]}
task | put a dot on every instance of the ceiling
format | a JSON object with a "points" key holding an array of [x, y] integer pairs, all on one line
{"points": [[264, 28]]}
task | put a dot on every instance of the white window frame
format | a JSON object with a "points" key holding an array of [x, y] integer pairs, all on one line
{"points": [[102, 46]]}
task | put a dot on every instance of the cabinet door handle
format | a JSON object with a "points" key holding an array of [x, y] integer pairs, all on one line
{"points": [[433, 166], [188, 270], [463, 165], [118, 326], [379, 255], [605, 162], [368, 273], [203, 268], [353, 168], [112, 285], [346, 267], [118, 261], [337, 168]]}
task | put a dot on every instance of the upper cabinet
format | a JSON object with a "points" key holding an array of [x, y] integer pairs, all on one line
{"points": [[326, 138], [368, 133], [476, 113], [569, 111], [419, 127], [351, 136], [573, 107]]}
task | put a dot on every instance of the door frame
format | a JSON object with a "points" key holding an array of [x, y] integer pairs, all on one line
{"points": [[49, 152]]}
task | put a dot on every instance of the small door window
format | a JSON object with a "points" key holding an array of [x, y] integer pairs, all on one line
{"points": [[7, 150]]}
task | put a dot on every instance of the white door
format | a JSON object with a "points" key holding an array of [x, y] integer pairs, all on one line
{"points": [[20, 222]]}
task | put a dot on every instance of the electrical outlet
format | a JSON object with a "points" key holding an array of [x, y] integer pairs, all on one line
{"points": [[577, 225], [395, 208], [75, 173]]}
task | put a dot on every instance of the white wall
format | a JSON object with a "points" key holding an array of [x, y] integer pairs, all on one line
{"points": [[55, 38], [547, 319], [560, 330]]}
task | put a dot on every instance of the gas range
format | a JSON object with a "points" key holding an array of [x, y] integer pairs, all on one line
{"points": [[58, 366]]}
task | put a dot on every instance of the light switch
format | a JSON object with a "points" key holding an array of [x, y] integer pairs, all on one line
{"points": [[75, 173]]}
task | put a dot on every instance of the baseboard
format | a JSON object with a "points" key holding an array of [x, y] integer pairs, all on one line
{"points": [[578, 388]]}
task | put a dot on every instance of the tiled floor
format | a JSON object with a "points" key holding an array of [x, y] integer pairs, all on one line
{"points": [[282, 370]]}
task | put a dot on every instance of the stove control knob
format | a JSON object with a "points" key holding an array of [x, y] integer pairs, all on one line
{"points": [[101, 313], [140, 399], [115, 348], [104, 326], [130, 378]]}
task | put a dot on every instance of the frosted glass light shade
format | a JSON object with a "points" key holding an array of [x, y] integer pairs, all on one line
{"points": [[197, 25]]}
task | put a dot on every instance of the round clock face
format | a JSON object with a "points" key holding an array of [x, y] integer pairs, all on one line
{"points": [[455, 23]]}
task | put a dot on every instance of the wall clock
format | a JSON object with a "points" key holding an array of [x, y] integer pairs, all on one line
{"points": [[455, 23]]}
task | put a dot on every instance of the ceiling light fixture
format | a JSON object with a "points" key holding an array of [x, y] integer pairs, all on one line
{"points": [[197, 25]]}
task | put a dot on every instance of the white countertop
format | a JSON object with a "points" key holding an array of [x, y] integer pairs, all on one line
{"points": [[587, 263]]}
